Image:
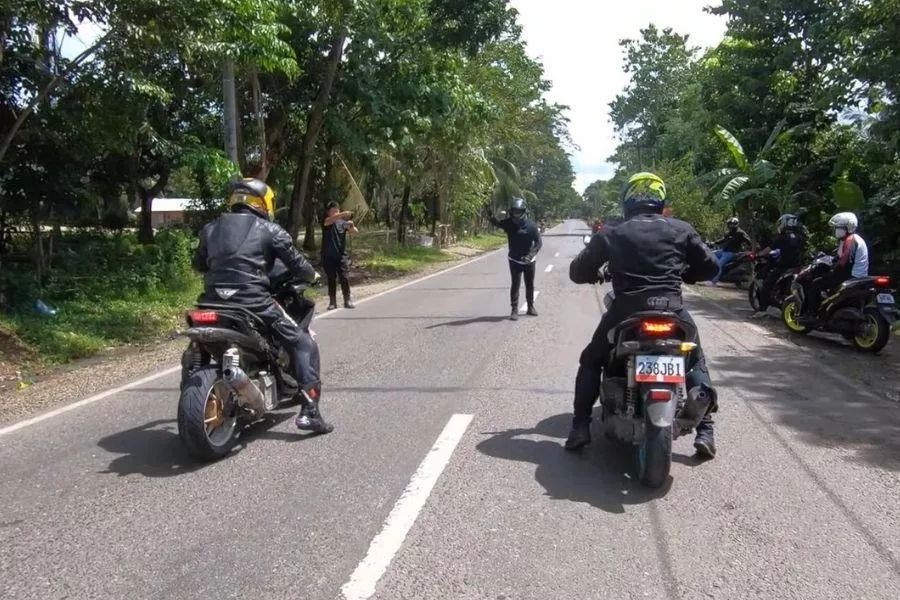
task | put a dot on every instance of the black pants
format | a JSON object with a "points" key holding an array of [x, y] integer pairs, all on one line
{"points": [[596, 354], [516, 271], [299, 345], [814, 289], [337, 268], [765, 292]]}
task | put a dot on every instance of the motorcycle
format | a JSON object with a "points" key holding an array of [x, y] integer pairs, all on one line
{"points": [[862, 310], [234, 372], [739, 270], [643, 397], [761, 268]]}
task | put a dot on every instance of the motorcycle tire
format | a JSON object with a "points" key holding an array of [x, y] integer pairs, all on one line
{"points": [[654, 456], [753, 295], [207, 445], [789, 312], [876, 342]]}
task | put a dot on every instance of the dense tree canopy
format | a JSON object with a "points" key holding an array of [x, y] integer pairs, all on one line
{"points": [[795, 110], [430, 108]]}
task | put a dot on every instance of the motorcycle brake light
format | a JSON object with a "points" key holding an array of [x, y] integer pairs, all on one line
{"points": [[882, 281], [657, 327], [660, 395], [204, 317]]}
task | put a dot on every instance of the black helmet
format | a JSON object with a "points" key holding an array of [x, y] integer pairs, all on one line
{"points": [[517, 207], [732, 223]]}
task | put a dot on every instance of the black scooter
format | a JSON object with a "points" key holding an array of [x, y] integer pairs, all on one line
{"points": [[862, 310]]}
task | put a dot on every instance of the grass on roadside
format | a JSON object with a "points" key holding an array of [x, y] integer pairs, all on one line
{"points": [[484, 241], [401, 259]]}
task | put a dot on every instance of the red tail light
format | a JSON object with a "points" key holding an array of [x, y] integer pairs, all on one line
{"points": [[660, 395], [882, 281], [657, 327], [203, 317]]}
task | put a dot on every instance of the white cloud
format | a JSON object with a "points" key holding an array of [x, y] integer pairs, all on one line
{"points": [[578, 43]]}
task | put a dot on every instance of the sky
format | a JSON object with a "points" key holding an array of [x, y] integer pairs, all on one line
{"points": [[578, 43]]}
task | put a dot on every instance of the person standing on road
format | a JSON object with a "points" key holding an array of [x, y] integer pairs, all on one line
{"points": [[731, 244], [524, 241], [649, 257], [335, 257]]}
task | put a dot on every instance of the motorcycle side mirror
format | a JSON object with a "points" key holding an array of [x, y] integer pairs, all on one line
{"points": [[586, 239]]}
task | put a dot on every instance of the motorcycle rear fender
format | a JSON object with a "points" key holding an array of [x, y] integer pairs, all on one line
{"points": [[887, 310], [660, 414]]}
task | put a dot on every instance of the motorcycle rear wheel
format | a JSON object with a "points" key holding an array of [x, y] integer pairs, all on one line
{"points": [[654, 455], [877, 335], [207, 416]]}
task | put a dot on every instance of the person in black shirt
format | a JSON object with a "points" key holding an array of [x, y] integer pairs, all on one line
{"points": [[524, 241], [649, 256], [790, 243], [730, 245], [335, 257]]}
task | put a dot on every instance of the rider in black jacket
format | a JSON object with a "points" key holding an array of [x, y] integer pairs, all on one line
{"points": [[789, 243], [237, 252], [649, 256], [524, 244]]}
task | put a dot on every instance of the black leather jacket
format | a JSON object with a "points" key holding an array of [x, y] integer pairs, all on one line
{"points": [[236, 254], [649, 257]]}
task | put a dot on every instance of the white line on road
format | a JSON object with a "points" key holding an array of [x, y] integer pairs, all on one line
{"points": [[548, 269], [525, 306], [556, 255], [64, 409], [389, 540]]}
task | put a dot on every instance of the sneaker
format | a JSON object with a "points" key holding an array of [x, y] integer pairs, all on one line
{"points": [[514, 314], [579, 437], [531, 311]]}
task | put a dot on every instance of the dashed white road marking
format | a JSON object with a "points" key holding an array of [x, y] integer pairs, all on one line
{"points": [[389, 540], [556, 255], [548, 269]]}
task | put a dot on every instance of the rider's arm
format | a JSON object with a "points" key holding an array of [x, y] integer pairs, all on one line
{"points": [[201, 255], [702, 263], [585, 268], [288, 253]]}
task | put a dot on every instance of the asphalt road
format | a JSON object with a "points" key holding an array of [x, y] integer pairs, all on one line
{"points": [[802, 501]]}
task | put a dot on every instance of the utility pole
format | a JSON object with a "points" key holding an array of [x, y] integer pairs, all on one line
{"points": [[230, 117]]}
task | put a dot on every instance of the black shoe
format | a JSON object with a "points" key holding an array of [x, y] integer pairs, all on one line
{"points": [[531, 311], [579, 437], [705, 442], [332, 306], [514, 314], [349, 303], [310, 419]]}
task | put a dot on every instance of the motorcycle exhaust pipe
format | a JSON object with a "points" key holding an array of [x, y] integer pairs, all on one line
{"points": [[248, 394]]}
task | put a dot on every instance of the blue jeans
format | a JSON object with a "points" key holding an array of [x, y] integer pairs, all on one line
{"points": [[724, 258]]}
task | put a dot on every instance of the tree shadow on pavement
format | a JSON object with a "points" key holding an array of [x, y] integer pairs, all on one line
{"points": [[154, 449], [599, 476], [469, 321], [825, 411]]}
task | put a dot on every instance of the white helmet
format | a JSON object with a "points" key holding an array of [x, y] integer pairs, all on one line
{"points": [[785, 221], [844, 220]]}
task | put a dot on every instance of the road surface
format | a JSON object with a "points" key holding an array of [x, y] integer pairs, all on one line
{"points": [[445, 476]]}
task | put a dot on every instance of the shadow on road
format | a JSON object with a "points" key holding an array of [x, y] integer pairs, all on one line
{"points": [[154, 450], [469, 321], [598, 476]]}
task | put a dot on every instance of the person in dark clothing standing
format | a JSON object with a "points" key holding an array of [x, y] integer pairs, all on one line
{"points": [[335, 257], [789, 243], [730, 245], [524, 244], [649, 256], [237, 252]]}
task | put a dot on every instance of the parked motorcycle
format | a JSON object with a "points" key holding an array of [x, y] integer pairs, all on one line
{"points": [[234, 372], [862, 310], [643, 396], [780, 290]]}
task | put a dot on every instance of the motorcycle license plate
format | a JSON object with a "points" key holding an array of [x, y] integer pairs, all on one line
{"points": [[659, 369], [885, 299]]}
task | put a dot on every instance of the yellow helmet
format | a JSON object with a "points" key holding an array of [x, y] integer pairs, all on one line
{"points": [[254, 194], [643, 191]]}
